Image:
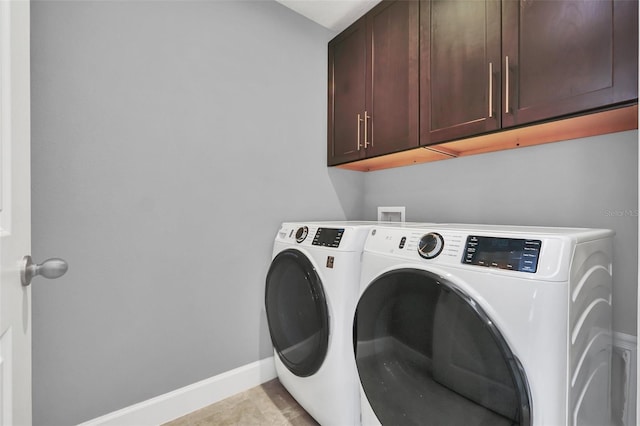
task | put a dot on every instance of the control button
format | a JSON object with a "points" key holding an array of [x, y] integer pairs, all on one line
{"points": [[430, 245], [402, 242], [301, 234]]}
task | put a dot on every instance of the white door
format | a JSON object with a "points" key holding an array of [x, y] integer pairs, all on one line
{"points": [[15, 214]]}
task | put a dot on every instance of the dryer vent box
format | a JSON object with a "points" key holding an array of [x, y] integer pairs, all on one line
{"points": [[391, 214]]}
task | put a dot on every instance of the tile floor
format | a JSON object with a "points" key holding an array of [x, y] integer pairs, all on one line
{"points": [[266, 405]]}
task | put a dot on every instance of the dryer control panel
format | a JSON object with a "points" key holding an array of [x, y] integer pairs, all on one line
{"points": [[513, 254], [328, 237], [342, 236], [325, 237]]}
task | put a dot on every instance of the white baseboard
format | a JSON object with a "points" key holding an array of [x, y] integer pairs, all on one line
{"points": [[626, 345], [172, 405]]}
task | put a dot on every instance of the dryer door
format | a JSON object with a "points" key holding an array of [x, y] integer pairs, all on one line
{"points": [[297, 313], [427, 354]]}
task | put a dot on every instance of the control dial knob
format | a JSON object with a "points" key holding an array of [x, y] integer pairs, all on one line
{"points": [[430, 245], [301, 234]]}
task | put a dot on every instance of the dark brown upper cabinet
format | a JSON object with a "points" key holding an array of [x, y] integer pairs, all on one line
{"points": [[487, 65], [460, 68], [566, 57], [373, 90], [347, 84]]}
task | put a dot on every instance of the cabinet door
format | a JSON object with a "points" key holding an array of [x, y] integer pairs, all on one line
{"points": [[346, 106], [567, 56], [459, 68], [392, 81]]}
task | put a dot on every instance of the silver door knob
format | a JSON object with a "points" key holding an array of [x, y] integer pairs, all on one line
{"points": [[50, 268]]}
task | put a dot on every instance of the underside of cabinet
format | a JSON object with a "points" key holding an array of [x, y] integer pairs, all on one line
{"points": [[600, 123]]}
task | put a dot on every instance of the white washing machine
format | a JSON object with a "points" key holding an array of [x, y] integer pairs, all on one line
{"points": [[485, 325], [311, 291]]}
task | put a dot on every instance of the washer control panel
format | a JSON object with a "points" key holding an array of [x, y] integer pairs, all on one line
{"points": [[513, 254], [528, 252]]}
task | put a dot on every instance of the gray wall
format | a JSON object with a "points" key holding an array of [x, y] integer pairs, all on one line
{"points": [[591, 182], [170, 139]]}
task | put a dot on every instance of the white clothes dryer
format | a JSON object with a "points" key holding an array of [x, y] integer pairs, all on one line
{"points": [[311, 291], [485, 325]]}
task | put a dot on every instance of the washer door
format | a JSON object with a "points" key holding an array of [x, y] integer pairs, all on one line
{"points": [[427, 354], [297, 313]]}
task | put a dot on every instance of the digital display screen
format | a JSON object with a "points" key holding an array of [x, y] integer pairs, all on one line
{"points": [[328, 237], [504, 253]]}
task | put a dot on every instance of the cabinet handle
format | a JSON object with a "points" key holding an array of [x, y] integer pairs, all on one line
{"points": [[490, 90], [506, 82], [366, 127], [359, 120]]}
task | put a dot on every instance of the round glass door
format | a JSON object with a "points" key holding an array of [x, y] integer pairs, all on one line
{"points": [[297, 313], [427, 354]]}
